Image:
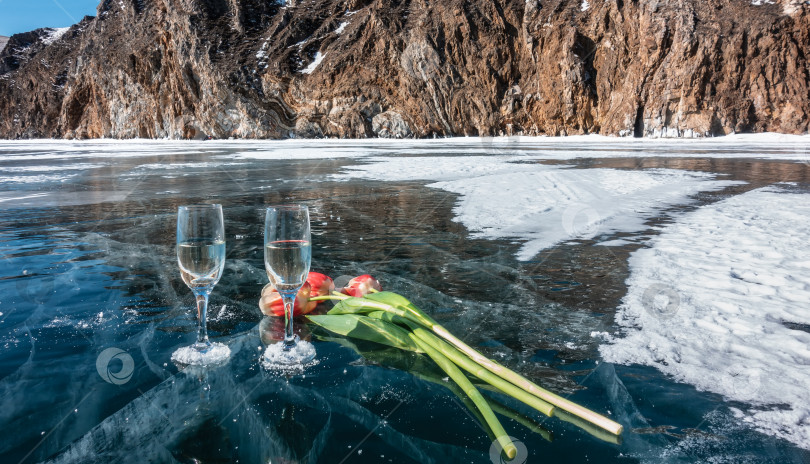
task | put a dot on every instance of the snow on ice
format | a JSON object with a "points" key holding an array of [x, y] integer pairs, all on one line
{"points": [[720, 301], [544, 205]]}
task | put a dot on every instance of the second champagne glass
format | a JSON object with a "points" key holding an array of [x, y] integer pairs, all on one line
{"points": [[287, 256]]}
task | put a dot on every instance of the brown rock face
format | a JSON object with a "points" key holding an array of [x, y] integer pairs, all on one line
{"points": [[365, 68]]}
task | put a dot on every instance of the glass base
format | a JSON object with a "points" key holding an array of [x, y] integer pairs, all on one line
{"points": [[215, 353], [280, 356]]}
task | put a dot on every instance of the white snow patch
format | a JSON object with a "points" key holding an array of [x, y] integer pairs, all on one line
{"points": [[341, 27], [293, 153], [760, 146], [262, 53], [544, 205], [616, 242], [600, 335], [54, 35], [35, 179], [585, 5], [315, 62], [51, 168], [761, 2], [720, 301], [24, 197], [175, 166]]}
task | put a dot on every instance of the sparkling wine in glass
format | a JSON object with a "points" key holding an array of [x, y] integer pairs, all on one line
{"points": [[201, 257], [287, 255]]}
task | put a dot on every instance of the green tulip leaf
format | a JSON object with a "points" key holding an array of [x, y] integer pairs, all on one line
{"points": [[353, 306], [390, 298], [366, 328]]}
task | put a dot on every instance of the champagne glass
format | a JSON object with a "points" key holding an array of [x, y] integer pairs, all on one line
{"points": [[201, 256], [287, 255]]}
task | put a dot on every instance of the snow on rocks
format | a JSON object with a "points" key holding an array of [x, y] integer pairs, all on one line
{"points": [[54, 35], [315, 62]]}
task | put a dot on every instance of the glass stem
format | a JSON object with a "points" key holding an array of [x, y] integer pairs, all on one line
{"points": [[202, 319], [289, 338]]}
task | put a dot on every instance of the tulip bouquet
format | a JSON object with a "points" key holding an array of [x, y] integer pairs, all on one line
{"points": [[363, 311]]}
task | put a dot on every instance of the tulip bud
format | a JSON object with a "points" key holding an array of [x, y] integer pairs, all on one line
{"points": [[361, 286], [321, 284], [272, 304]]}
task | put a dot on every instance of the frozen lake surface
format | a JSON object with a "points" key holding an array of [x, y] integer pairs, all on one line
{"points": [[661, 282]]}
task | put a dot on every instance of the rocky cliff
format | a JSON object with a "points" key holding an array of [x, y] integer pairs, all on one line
{"points": [[3, 40], [398, 68]]}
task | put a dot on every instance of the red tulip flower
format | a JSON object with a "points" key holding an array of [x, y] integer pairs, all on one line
{"points": [[322, 284], [361, 286], [271, 303]]}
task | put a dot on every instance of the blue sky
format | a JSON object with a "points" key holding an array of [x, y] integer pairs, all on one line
{"points": [[25, 15]]}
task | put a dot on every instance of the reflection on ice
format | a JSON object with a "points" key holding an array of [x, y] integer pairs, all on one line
{"points": [[252, 417]]}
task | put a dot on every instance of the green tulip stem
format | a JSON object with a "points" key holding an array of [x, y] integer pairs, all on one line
{"points": [[516, 416], [333, 296], [408, 311], [469, 389], [515, 378], [468, 365]]}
